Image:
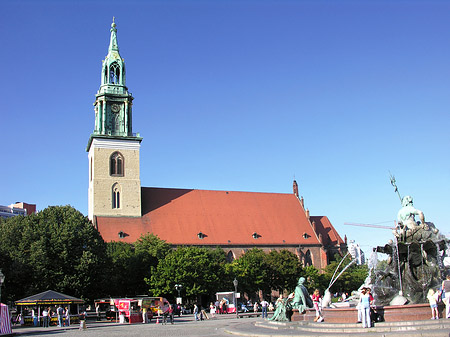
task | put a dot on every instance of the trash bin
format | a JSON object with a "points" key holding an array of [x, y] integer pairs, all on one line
{"points": [[82, 324], [83, 321]]}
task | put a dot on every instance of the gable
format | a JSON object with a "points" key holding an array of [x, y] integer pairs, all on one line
{"points": [[325, 228]]}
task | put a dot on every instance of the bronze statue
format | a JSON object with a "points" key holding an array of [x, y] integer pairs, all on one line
{"points": [[301, 300]]}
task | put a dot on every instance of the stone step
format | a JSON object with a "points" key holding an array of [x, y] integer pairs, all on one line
{"points": [[345, 325], [412, 328]]}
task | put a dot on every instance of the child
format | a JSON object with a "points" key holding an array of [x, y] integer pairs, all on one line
{"points": [[316, 301], [433, 298]]}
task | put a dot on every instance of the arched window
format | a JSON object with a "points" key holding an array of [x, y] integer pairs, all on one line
{"points": [[307, 259], [116, 196], [116, 165], [230, 256], [114, 73]]}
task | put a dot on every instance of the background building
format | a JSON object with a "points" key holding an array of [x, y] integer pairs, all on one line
{"points": [[356, 252], [19, 208]]}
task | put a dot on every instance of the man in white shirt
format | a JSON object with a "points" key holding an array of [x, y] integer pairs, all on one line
{"points": [[264, 305]]}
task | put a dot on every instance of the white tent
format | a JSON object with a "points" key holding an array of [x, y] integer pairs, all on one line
{"points": [[5, 322]]}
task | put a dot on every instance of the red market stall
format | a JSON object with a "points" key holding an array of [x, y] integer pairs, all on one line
{"points": [[227, 300], [131, 309], [128, 310], [156, 306]]}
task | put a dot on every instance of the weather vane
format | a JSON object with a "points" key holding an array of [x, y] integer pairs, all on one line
{"points": [[395, 186]]}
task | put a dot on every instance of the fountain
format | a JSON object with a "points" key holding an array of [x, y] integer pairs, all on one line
{"points": [[417, 261]]}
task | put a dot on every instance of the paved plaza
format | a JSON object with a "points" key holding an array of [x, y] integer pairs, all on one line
{"points": [[183, 326], [228, 325]]}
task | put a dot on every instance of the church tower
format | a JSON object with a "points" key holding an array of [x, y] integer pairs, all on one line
{"points": [[114, 178]]}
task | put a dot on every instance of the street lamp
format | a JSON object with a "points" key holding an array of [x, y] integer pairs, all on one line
{"points": [[178, 287], [235, 282], [2, 279]]}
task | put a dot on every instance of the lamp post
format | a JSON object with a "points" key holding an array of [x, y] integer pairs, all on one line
{"points": [[235, 282], [2, 279], [178, 287]]}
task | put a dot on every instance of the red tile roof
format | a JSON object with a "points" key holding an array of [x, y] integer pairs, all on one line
{"points": [[224, 217], [329, 233]]}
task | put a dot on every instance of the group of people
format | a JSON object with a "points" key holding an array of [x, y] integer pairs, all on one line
{"points": [[168, 313], [62, 314], [218, 307], [200, 313], [365, 307], [436, 296]]}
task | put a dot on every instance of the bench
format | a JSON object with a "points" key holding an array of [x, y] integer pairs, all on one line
{"points": [[252, 314]]}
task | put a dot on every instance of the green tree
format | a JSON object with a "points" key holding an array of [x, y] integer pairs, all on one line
{"points": [[134, 259], [57, 248], [314, 280], [284, 269], [122, 260], [149, 249], [252, 272], [199, 270]]}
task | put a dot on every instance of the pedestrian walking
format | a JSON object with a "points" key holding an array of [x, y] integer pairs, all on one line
{"points": [[196, 312], [255, 307], [264, 305], [60, 314], [45, 318], [212, 310], [67, 316]]}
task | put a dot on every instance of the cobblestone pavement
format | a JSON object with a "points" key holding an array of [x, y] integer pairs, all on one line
{"points": [[184, 326]]}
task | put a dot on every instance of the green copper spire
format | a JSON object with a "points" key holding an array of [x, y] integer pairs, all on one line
{"points": [[113, 41], [113, 104], [113, 72]]}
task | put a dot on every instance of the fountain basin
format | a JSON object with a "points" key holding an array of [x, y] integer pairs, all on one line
{"points": [[389, 313]]}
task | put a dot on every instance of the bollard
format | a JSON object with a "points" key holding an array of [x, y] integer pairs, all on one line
{"points": [[82, 325]]}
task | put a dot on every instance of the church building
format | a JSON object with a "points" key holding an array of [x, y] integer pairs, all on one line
{"points": [[122, 210]]}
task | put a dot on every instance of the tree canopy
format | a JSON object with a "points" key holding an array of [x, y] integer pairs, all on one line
{"points": [[284, 269], [199, 270], [57, 248], [131, 264]]}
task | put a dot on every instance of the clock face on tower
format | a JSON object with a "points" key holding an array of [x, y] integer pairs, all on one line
{"points": [[115, 108]]}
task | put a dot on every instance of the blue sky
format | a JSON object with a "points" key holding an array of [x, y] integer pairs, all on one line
{"points": [[238, 95]]}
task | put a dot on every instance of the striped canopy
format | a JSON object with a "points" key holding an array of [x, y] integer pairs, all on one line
{"points": [[5, 323]]}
